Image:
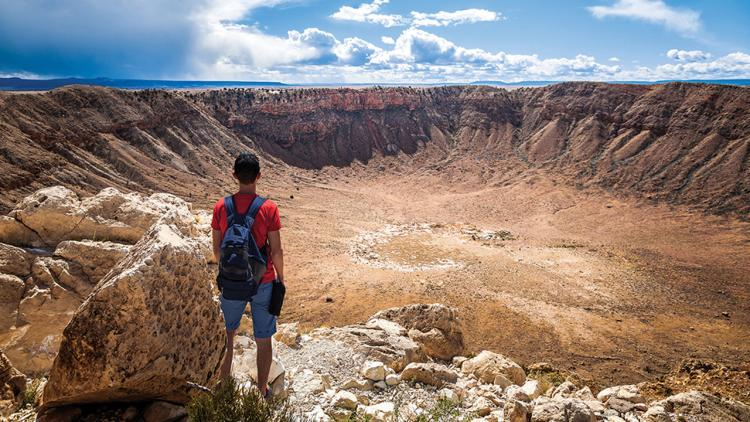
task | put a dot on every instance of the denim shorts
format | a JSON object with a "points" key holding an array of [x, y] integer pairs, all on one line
{"points": [[264, 324]]}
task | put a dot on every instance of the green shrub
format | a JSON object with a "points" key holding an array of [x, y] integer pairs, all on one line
{"points": [[444, 411], [233, 403], [28, 397]]}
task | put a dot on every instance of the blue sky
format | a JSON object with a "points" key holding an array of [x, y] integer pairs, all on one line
{"points": [[376, 40]]}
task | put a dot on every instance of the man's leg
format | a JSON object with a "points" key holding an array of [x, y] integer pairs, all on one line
{"points": [[265, 357], [232, 310], [226, 366], [264, 327]]}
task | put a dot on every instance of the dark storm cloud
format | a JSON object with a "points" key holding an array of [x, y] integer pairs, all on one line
{"points": [[90, 38]]}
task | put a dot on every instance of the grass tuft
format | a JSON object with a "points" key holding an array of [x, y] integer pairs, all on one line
{"points": [[232, 403]]}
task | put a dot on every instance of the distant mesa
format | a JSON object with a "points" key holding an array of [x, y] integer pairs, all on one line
{"points": [[20, 84]]}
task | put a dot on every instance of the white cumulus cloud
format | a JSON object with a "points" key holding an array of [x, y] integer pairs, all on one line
{"points": [[685, 21], [454, 18], [368, 12], [688, 56], [417, 50], [387, 40]]}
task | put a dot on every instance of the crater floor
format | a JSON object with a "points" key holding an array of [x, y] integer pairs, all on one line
{"points": [[615, 289]]}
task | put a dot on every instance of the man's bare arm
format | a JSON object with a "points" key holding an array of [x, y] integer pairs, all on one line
{"points": [[277, 254], [216, 235]]}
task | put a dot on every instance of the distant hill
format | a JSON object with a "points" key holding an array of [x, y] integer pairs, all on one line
{"points": [[19, 84], [740, 82]]}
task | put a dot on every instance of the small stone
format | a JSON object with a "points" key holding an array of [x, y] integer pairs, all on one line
{"points": [[595, 405], [620, 405], [487, 365], [380, 412], [629, 393], [459, 360], [288, 334], [482, 406], [515, 392], [329, 299], [317, 415], [515, 411], [373, 370], [161, 411], [502, 381], [532, 389], [584, 394], [352, 383], [564, 390], [130, 413], [448, 394], [381, 385], [392, 379], [656, 413], [429, 373], [345, 400]]}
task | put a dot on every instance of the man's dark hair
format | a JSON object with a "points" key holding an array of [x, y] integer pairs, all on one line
{"points": [[246, 167]]}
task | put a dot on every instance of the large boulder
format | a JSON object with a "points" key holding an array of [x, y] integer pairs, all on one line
{"points": [[95, 258], [56, 214], [55, 289], [49, 271], [694, 405], [53, 213], [11, 292], [42, 314], [434, 327], [487, 365], [149, 328], [14, 260], [15, 233], [10, 377]]}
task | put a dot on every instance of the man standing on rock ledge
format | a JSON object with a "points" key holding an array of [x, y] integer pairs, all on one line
{"points": [[265, 231]]}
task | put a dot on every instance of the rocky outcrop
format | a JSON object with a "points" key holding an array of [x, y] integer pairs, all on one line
{"points": [[56, 214], [694, 405], [15, 233], [434, 327], [396, 351], [15, 261], [95, 258], [325, 374], [148, 329], [42, 287], [11, 292], [11, 377]]}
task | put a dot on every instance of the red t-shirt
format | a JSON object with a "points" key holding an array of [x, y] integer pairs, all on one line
{"points": [[267, 220]]}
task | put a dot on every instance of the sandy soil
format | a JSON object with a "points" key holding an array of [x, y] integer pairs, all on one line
{"points": [[611, 288]]}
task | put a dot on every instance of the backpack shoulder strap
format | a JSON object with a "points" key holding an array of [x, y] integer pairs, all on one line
{"points": [[232, 215], [255, 206]]}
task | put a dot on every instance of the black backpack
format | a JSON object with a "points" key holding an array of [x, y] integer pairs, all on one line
{"points": [[243, 263]]}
